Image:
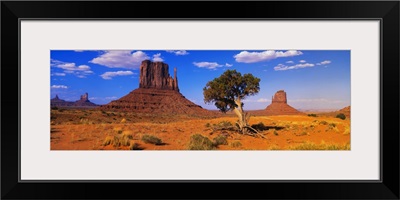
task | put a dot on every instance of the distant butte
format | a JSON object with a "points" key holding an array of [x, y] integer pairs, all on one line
{"points": [[82, 102], [279, 105], [158, 92]]}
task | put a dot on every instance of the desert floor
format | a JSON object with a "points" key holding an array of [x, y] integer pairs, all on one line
{"points": [[73, 129]]}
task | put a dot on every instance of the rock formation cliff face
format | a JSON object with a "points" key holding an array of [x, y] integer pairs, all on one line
{"points": [[279, 105], [158, 93], [156, 75], [84, 97], [279, 97]]}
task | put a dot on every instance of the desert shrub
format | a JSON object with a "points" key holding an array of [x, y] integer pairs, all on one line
{"points": [[134, 146], [199, 142], [312, 115], [236, 144], [301, 134], [117, 141], [220, 140], [151, 139], [121, 141], [341, 116], [127, 134], [208, 125], [323, 123], [332, 125], [225, 124], [108, 140], [276, 133], [54, 108]]}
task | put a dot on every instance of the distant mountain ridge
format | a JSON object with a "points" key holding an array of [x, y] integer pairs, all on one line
{"points": [[82, 102]]}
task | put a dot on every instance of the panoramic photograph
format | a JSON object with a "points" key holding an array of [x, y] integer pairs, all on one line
{"points": [[281, 100]]}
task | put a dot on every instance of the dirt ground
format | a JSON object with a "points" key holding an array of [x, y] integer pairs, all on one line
{"points": [[86, 129]]}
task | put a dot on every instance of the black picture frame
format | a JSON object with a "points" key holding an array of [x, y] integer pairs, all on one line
{"points": [[386, 11]]}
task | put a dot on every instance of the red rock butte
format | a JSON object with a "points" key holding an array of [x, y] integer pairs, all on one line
{"points": [[279, 105], [158, 92]]}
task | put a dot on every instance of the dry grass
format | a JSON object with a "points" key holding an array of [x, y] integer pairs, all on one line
{"points": [[200, 142], [117, 141], [235, 144], [322, 146], [151, 139], [69, 132]]}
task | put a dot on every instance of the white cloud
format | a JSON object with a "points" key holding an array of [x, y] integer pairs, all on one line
{"points": [[70, 68], [121, 59], [318, 103], [107, 98], [178, 52], [252, 57], [157, 57], [59, 87], [262, 100], [316, 100], [193, 100], [282, 67], [208, 65], [325, 62], [228, 65], [110, 75], [289, 62], [58, 74]]}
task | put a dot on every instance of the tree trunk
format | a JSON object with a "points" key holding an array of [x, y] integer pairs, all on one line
{"points": [[242, 122]]}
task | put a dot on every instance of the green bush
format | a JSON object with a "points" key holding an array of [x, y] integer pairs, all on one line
{"points": [[341, 116], [151, 139], [312, 115], [199, 142], [220, 140]]}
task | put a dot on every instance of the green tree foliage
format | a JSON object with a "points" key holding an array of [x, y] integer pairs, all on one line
{"points": [[228, 91]]}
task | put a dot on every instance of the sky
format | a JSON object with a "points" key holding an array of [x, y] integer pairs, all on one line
{"points": [[312, 79]]}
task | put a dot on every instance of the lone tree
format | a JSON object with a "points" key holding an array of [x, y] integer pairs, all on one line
{"points": [[227, 93]]}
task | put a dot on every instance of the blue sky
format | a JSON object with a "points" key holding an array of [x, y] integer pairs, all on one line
{"points": [[312, 79]]}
